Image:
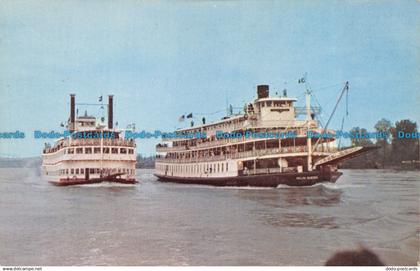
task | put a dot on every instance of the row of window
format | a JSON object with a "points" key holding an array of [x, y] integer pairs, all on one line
{"points": [[213, 127], [76, 171], [90, 150], [196, 168], [274, 103]]}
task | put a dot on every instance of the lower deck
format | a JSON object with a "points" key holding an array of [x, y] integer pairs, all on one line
{"points": [[88, 171], [233, 167], [116, 178]]}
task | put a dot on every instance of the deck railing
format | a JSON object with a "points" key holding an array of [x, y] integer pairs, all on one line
{"points": [[91, 142], [260, 171], [221, 142], [301, 150]]}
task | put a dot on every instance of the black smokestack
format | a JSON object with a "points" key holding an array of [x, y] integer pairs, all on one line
{"points": [[262, 91], [110, 112], [72, 112]]}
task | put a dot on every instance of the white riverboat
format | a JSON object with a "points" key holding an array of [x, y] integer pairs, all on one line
{"points": [[265, 146], [91, 153]]}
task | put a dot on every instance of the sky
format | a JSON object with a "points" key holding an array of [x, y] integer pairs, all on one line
{"points": [[163, 59]]}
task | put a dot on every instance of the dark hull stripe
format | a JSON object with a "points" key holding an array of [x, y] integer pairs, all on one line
{"points": [[265, 180], [75, 181]]}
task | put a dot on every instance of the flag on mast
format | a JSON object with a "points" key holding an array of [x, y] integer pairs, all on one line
{"points": [[303, 79]]}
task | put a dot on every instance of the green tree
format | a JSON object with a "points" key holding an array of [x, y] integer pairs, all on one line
{"points": [[383, 126], [404, 148], [358, 135]]}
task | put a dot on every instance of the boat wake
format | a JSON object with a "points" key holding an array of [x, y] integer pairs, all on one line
{"points": [[333, 186], [246, 187], [105, 184], [341, 186]]}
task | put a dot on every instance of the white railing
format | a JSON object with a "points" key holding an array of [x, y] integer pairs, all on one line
{"points": [[167, 148], [89, 157], [91, 142], [261, 171], [300, 132], [301, 150]]}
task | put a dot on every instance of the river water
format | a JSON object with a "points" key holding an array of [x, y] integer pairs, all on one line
{"points": [[156, 223]]}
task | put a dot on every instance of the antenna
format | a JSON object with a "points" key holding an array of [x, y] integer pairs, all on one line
{"points": [[227, 103]]}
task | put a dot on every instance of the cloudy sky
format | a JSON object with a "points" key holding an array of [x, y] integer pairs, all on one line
{"points": [[162, 59]]}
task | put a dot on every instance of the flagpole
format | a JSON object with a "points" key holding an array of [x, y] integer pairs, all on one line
{"points": [[102, 135], [102, 151]]}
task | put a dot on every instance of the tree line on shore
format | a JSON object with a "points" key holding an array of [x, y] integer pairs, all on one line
{"points": [[145, 162], [393, 151]]}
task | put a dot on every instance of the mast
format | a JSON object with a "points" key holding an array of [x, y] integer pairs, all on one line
{"points": [[102, 151], [345, 88], [308, 122], [110, 126], [102, 138]]}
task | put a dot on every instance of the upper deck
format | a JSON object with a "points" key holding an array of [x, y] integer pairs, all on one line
{"points": [[88, 130], [264, 113]]}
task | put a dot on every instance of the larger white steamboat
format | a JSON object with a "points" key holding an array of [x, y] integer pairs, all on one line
{"points": [[91, 153], [242, 160]]}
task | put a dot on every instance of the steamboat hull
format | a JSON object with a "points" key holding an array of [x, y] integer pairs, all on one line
{"points": [[78, 181], [263, 180]]}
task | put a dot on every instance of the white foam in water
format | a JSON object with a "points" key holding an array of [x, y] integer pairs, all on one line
{"points": [[105, 185], [341, 185], [245, 187], [326, 185], [285, 186]]}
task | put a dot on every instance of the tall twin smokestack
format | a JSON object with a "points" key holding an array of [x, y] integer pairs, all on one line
{"points": [[73, 112], [110, 112]]}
